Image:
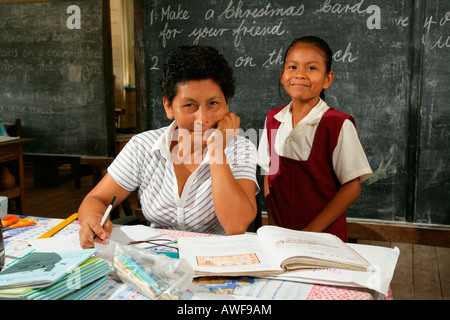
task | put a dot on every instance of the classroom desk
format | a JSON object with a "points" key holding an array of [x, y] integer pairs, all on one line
{"points": [[17, 245], [11, 152]]}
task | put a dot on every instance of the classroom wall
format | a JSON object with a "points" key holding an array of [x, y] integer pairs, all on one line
{"points": [[124, 91]]}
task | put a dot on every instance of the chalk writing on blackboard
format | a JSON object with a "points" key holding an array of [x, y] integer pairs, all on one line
{"points": [[387, 57], [52, 70]]}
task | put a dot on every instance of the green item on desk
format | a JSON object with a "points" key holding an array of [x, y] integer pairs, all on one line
{"points": [[133, 270], [174, 255]]}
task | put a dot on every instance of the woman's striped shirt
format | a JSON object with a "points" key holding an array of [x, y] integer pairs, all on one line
{"points": [[145, 164]]}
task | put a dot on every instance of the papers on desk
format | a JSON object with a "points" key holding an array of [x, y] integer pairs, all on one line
{"points": [[120, 234], [127, 234], [78, 283], [60, 269], [75, 285], [57, 243], [40, 269]]}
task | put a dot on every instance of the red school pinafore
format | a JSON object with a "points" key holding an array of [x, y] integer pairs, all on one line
{"points": [[300, 190]]}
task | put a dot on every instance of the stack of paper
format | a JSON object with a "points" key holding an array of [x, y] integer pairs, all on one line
{"points": [[90, 271], [88, 291], [41, 269], [51, 276]]}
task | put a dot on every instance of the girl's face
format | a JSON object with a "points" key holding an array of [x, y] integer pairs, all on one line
{"points": [[197, 107], [305, 74]]}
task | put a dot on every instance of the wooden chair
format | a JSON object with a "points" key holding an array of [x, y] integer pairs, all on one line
{"points": [[12, 160], [13, 128]]}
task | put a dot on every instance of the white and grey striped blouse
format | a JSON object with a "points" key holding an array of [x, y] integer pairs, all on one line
{"points": [[145, 163]]}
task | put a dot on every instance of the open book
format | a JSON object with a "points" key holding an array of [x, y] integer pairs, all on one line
{"points": [[273, 250]]}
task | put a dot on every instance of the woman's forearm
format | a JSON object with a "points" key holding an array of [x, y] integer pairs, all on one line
{"points": [[234, 200]]}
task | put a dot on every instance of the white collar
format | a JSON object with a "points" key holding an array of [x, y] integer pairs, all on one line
{"points": [[312, 118], [162, 144], [164, 141]]}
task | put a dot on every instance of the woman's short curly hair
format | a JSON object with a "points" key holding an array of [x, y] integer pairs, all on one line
{"points": [[194, 62]]}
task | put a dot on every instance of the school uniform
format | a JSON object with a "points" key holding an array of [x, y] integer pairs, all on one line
{"points": [[308, 164], [145, 163]]}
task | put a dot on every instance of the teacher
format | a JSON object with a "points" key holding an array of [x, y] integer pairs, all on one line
{"points": [[197, 174]]}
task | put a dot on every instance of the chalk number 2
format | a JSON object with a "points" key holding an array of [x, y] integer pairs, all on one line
{"points": [[155, 63]]}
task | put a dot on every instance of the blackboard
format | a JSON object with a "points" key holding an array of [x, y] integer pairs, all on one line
{"points": [[433, 174], [55, 76], [384, 76]]}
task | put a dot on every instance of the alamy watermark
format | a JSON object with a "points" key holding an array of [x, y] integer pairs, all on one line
{"points": [[74, 20], [189, 148], [73, 281], [374, 21]]}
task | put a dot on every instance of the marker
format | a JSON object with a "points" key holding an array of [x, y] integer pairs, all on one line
{"points": [[137, 271], [105, 216]]}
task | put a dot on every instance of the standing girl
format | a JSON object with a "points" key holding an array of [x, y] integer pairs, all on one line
{"points": [[311, 153]]}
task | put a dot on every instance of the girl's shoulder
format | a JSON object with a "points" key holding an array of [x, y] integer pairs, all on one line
{"points": [[333, 114], [274, 111]]}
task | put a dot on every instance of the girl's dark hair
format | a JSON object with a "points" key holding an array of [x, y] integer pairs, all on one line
{"points": [[193, 62], [320, 44]]}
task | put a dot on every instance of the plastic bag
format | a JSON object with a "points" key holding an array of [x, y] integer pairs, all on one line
{"points": [[158, 277]]}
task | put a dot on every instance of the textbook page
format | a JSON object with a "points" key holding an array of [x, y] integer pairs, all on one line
{"points": [[227, 255], [308, 247], [383, 260]]}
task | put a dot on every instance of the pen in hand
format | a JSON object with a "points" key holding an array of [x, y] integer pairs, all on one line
{"points": [[105, 216]]}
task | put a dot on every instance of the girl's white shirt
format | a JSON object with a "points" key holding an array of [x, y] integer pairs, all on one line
{"points": [[349, 159]]}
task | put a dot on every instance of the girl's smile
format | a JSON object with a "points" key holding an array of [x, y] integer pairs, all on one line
{"points": [[305, 74]]}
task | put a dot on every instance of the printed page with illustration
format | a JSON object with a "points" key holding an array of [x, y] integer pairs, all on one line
{"points": [[273, 250], [230, 255]]}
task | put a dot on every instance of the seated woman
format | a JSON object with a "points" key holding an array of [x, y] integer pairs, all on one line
{"points": [[196, 174]]}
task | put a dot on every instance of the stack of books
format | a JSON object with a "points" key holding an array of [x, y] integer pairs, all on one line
{"points": [[51, 276]]}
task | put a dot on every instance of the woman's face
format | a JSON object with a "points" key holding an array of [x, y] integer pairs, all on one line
{"points": [[197, 107]]}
